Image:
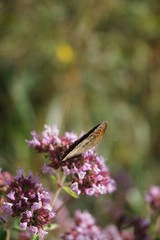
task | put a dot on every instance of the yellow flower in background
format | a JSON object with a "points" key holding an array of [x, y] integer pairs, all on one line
{"points": [[65, 53]]}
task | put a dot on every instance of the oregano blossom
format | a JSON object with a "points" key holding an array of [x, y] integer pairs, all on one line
{"points": [[28, 200], [89, 174], [84, 228], [153, 197]]}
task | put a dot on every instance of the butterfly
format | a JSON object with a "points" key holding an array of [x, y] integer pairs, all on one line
{"points": [[86, 142]]}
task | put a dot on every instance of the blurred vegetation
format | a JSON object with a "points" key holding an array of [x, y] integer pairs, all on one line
{"points": [[77, 63]]}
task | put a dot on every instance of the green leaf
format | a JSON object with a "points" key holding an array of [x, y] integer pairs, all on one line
{"points": [[70, 192], [50, 227], [3, 233], [35, 237], [16, 225]]}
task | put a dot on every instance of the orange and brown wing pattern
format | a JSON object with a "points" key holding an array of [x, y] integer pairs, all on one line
{"points": [[87, 141]]}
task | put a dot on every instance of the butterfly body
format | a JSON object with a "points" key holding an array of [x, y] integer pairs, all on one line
{"points": [[87, 141]]}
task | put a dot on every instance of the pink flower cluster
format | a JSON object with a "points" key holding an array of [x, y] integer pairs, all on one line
{"points": [[28, 200], [53, 144], [90, 176], [4, 178], [153, 197], [84, 228], [111, 232]]}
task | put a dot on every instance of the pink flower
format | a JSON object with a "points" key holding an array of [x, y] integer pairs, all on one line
{"points": [[89, 174], [81, 174], [23, 225], [5, 178], [36, 140], [90, 191], [28, 200], [36, 205], [42, 233], [66, 170], [74, 187], [92, 177], [29, 214], [47, 169], [11, 195], [111, 232], [6, 210], [85, 228], [153, 197], [33, 229]]}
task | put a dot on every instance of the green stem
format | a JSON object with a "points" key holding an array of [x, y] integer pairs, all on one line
{"points": [[55, 196], [8, 234], [60, 186]]}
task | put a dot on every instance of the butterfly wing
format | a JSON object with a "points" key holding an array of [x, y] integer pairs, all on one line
{"points": [[87, 141]]}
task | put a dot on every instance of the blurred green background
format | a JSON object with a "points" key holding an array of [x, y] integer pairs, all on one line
{"points": [[75, 64]]}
